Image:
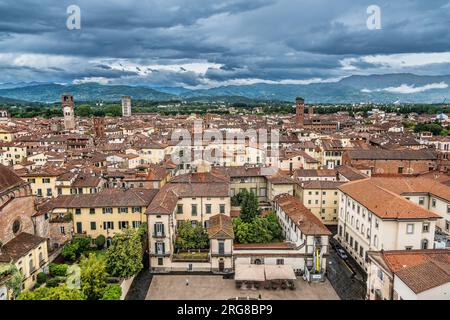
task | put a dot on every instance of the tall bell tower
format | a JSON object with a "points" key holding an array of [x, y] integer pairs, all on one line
{"points": [[67, 105]]}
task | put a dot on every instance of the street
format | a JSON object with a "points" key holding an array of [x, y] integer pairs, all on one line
{"points": [[346, 278]]}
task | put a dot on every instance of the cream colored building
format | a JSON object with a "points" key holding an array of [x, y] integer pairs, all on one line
{"points": [[409, 275], [372, 218]]}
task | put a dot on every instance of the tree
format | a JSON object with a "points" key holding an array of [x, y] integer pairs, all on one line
{"points": [[191, 237], [58, 270], [249, 207], [274, 226], [112, 292], [15, 278], [93, 276], [100, 241], [84, 110], [124, 256], [71, 251], [56, 293]]}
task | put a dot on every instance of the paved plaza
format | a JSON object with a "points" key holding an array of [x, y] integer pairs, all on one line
{"points": [[210, 287]]}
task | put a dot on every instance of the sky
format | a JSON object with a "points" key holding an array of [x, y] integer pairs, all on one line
{"points": [[210, 43]]}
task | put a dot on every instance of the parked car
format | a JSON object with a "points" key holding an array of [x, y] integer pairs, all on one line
{"points": [[341, 253]]}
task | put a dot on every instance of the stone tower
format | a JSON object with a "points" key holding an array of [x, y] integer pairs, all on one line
{"points": [[67, 105], [299, 112], [126, 106], [99, 127]]}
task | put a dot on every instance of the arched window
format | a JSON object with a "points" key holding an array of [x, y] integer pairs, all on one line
{"points": [[424, 244], [31, 265]]}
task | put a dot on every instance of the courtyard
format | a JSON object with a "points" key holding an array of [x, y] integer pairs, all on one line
{"points": [[211, 287]]}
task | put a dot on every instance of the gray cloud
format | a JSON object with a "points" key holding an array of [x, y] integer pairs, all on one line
{"points": [[234, 39]]}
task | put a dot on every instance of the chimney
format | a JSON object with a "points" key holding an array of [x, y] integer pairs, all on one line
{"points": [[299, 112]]}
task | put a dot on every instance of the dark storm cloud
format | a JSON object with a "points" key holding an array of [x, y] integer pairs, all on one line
{"points": [[234, 39]]}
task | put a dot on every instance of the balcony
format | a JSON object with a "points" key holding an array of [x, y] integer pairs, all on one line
{"points": [[193, 256], [158, 235], [160, 254]]}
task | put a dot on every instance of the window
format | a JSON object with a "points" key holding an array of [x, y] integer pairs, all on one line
{"points": [[160, 248], [79, 227], [361, 252], [194, 210], [108, 225], [107, 210], [49, 192], [180, 209], [136, 224], [137, 209], [160, 261], [421, 201], [448, 209], [447, 225], [123, 224], [410, 228], [208, 208], [77, 211], [433, 203], [426, 227], [280, 261], [221, 247], [45, 180], [400, 170], [123, 210], [222, 209], [92, 211], [377, 224], [380, 275], [93, 225], [424, 244], [375, 241], [253, 190], [62, 230], [159, 229]]}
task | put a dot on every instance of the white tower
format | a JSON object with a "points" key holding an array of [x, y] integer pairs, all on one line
{"points": [[126, 106], [67, 105]]}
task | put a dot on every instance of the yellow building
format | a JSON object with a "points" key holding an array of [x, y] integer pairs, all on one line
{"points": [[105, 213], [29, 254], [43, 183], [321, 197]]}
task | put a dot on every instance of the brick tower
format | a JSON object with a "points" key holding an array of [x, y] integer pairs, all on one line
{"points": [[67, 105], [299, 112], [99, 127]]}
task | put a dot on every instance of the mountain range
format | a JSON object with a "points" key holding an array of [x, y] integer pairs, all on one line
{"points": [[388, 88]]}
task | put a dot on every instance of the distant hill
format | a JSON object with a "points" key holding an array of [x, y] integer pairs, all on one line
{"points": [[83, 92], [389, 88]]}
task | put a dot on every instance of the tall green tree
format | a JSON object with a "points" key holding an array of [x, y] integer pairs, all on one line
{"points": [[93, 276], [191, 237], [124, 256], [249, 207]]}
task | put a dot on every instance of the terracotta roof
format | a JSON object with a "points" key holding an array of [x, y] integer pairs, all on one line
{"points": [[19, 246], [8, 179], [106, 198], [319, 184], [420, 270], [167, 198], [409, 185], [383, 202], [379, 154], [220, 227], [351, 173], [306, 221]]}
